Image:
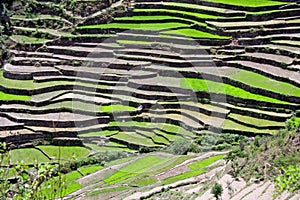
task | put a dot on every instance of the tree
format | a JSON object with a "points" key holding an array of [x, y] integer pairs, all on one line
{"points": [[217, 190]]}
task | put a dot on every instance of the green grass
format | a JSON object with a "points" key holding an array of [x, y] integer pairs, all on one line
{"points": [[171, 137], [107, 190], [100, 133], [29, 84], [221, 88], [156, 138], [23, 39], [115, 144], [194, 33], [143, 181], [196, 168], [10, 97], [70, 184], [249, 3], [119, 161], [175, 129], [204, 163], [146, 17], [158, 17], [27, 155], [195, 6], [260, 81], [89, 169], [167, 11], [146, 26], [132, 124], [116, 107], [17, 84], [133, 169], [133, 138], [66, 152], [255, 121], [231, 125], [134, 42], [104, 148]]}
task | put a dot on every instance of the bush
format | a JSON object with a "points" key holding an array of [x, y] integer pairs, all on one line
{"points": [[289, 180], [179, 147], [217, 190]]}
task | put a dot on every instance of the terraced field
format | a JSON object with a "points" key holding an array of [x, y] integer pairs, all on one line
{"points": [[163, 71], [139, 76]]}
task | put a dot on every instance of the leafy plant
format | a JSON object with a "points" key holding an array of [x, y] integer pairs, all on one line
{"points": [[288, 180], [23, 182], [217, 190]]}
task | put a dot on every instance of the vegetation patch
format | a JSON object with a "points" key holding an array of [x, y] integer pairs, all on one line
{"points": [[251, 3], [196, 168], [65, 152], [23, 39], [85, 170], [148, 26], [131, 170], [117, 108], [194, 33], [27, 156], [221, 88], [107, 190], [260, 81]]}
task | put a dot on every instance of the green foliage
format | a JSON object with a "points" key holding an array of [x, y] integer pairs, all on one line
{"points": [[89, 169], [194, 33], [217, 190], [252, 3], [133, 169], [23, 182], [256, 80], [211, 141], [179, 147], [65, 153], [293, 123], [221, 88], [267, 156], [289, 180], [196, 168]]}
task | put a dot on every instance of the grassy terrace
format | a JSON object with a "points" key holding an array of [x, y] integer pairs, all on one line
{"points": [[30, 84], [220, 88], [134, 138], [248, 3], [256, 122], [195, 6], [137, 42], [27, 155], [89, 169], [167, 11], [194, 33], [23, 39], [12, 97], [105, 148], [117, 108], [139, 18], [170, 128], [196, 168], [64, 152], [260, 81], [142, 171], [230, 126], [131, 170], [144, 26]]}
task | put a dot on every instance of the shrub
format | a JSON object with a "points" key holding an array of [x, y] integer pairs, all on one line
{"points": [[217, 190], [288, 180], [179, 147]]}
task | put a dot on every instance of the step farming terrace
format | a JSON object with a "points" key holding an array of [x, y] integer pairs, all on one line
{"points": [[138, 76]]}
